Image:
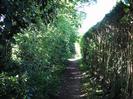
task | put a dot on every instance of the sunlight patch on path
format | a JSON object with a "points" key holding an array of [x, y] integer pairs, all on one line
{"points": [[77, 56], [94, 13]]}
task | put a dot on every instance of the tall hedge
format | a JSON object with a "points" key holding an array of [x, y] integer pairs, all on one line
{"points": [[108, 56]]}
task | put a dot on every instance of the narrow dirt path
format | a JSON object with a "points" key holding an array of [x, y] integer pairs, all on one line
{"points": [[71, 87]]}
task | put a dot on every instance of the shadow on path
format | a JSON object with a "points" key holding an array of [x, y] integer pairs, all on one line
{"points": [[71, 87]]}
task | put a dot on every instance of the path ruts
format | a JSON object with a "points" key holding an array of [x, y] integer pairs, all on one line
{"points": [[71, 87]]}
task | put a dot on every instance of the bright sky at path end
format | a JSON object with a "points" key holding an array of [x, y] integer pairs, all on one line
{"points": [[95, 13]]}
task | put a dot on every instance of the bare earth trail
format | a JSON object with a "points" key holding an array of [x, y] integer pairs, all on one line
{"points": [[70, 84]]}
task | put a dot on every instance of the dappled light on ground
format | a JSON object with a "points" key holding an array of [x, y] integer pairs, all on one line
{"points": [[66, 49], [71, 82]]}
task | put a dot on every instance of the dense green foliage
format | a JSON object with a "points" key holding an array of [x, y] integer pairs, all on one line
{"points": [[18, 14], [107, 56], [36, 39]]}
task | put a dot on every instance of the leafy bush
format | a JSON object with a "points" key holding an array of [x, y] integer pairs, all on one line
{"points": [[12, 86], [38, 37], [42, 52]]}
